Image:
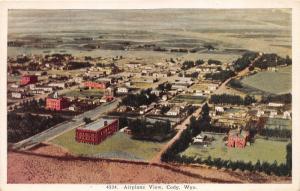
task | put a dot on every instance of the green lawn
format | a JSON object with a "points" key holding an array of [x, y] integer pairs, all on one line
{"points": [[261, 149], [189, 99], [90, 92], [273, 82], [120, 145]]}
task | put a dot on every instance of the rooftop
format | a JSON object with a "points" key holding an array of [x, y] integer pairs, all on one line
{"points": [[96, 125]]}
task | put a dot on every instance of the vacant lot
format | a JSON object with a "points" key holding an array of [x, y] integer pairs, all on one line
{"points": [[261, 149], [120, 146], [143, 85], [97, 93], [272, 82]]}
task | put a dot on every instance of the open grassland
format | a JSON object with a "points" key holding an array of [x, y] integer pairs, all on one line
{"points": [[118, 146], [261, 149], [272, 82], [97, 93]]}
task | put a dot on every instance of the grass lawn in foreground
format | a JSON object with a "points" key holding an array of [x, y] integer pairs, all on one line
{"points": [[119, 146], [261, 149]]}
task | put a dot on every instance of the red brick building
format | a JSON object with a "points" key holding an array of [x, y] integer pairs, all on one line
{"points": [[237, 138], [56, 103], [28, 79], [97, 85], [96, 132]]}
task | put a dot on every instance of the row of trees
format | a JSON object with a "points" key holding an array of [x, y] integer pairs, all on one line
{"points": [[276, 132], [189, 64], [212, 61], [220, 76], [283, 98], [136, 100], [20, 127], [143, 129], [232, 99], [268, 168], [73, 65]]}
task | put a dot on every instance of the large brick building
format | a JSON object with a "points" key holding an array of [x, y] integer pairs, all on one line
{"points": [[28, 79], [97, 131], [237, 138], [97, 85], [56, 103]]}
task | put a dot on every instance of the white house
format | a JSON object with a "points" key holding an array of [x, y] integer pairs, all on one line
{"points": [[122, 90], [273, 104], [17, 95], [174, 111]]}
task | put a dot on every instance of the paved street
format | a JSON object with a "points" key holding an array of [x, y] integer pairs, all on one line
{"points": [[68, 125]]}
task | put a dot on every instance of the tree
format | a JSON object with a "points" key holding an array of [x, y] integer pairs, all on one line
{"points": [[249, 100], [87, 120]]}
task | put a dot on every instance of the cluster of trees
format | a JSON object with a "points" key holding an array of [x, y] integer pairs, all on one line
{"points": [[283, 98], [268, 168], [32, 105], [20, 127], [272, 60], [199, 62], [136, 100], [232, 99], [220, 76], [235, 83], [164, 87], [244, 61], [192, 75], [143, 129], [212, 61], [73, 65], [189, 64], [22, 60]]}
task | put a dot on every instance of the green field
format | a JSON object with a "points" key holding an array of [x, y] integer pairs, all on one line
{"points": [[83, 93], [261, 149], [119, 146], [189, 99], [272, 82]]}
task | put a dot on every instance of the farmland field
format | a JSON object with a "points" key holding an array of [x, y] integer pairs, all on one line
{"points": [[119, 146], [272, 82], [261, 149]]}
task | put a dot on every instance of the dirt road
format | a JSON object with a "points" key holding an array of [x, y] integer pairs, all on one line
{"points": [[181, 127]]}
